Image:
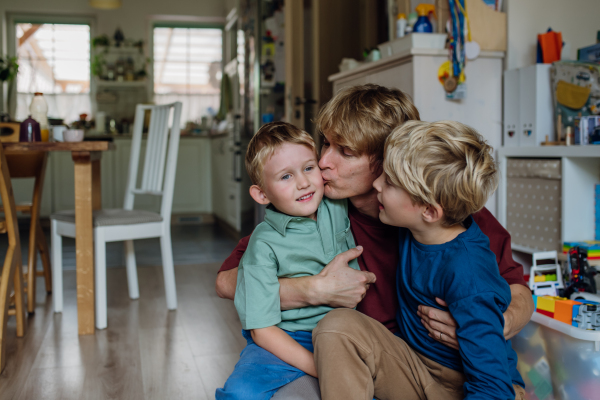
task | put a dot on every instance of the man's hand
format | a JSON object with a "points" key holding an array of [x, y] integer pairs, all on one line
{"points": [[338, 285], [440, 324], [442, 327]]}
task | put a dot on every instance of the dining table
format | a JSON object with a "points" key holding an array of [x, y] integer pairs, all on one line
{"points": [[86, 157]]}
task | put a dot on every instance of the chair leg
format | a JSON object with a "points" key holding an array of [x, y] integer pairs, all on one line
{"points": [[32, 266], [5, 281], [100, 275], [57, 272], [168, 270], [132, 278], [45, 256]]}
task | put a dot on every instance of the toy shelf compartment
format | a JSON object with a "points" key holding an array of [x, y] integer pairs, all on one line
{"points": [[580, 171]]}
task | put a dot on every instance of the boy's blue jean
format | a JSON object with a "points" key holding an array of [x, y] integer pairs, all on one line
{"points": [[259, 374]]}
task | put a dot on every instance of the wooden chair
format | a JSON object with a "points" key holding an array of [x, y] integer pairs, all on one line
{"points": [[127, 224], [12, 273], [32, 165]]}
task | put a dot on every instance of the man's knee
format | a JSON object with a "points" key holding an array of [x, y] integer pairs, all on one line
{"points": [[338, 320]]}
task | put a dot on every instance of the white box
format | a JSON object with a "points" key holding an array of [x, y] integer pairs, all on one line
{"points": [[511, 108], [535, 103], [413, 41]]}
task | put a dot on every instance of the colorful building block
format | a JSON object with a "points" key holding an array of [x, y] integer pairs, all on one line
{"points": [[563, 310], [546, 313]]}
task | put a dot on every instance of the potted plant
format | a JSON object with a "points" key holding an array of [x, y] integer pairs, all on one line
{"points": [[8, 73]]}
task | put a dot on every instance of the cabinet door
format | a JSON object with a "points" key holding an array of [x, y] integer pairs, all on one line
{"points": [[121, 165], [23, 192], [61, 173], [193, 192]]}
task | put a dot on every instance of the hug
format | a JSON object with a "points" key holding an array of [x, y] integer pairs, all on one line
{"points": [[377, 269]]}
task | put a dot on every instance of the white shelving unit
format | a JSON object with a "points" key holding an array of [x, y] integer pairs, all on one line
{"points": [[580, 172]]}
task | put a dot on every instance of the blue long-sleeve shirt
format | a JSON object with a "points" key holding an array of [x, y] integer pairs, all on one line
{"points": [[464, 273]]}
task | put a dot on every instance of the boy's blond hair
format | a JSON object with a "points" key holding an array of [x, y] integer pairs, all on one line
{"points": [[443, 163], [361, 118], [268, 138]]}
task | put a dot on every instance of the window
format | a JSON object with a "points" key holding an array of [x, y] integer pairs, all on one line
{"points": [[54, 59], [187, 68]]}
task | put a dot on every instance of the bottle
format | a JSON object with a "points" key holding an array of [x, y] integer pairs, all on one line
{"points": [[423, 24], [400, 25], [39, 111]]}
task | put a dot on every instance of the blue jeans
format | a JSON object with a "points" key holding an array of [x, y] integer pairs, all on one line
{"points": [[259, 374]]}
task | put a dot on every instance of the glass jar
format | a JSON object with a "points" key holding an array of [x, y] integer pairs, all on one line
{"points": [[39, 111]]}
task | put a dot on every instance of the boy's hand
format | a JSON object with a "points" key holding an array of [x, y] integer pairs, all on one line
{"points": [[338, 285], [440, 324]]}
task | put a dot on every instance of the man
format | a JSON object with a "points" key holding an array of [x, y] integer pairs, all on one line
{"points": [[355, 125]]}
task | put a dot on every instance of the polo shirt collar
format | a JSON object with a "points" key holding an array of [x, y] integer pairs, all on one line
{"points": [[279, 221]]}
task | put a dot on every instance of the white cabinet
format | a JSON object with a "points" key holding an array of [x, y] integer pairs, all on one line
{"points": [[193, 188], [415, 72], [580, 172]]}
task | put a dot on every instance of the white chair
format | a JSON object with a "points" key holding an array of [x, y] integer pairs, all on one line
{"points": [[128, 224]]}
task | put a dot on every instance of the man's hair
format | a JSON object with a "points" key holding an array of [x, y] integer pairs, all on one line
{"points": [[443, 163], [268, 138], [362, 117]]}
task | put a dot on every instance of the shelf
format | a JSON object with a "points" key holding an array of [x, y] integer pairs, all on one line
{"points": [[397, 58], [121, 84], [590, 151]]}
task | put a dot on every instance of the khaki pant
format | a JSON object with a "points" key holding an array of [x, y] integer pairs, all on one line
{"points": [[376, 363]]}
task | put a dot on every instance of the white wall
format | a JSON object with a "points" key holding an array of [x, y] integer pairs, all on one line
{"points": [[578, 20], [132, 17]]}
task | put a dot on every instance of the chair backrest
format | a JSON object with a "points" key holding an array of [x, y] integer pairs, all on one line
{"points": [[162, 146]]}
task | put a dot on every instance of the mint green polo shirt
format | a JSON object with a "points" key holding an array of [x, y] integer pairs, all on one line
{"points": [[284, 246]]}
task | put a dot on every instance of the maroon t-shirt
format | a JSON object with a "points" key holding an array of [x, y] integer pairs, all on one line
{"points": [[380, 256]]}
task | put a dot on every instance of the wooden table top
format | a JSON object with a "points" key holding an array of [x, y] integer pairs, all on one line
{"points": [[21, 147]]}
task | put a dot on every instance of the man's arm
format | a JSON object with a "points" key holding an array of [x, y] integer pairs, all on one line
{"points": [[337, 285]]}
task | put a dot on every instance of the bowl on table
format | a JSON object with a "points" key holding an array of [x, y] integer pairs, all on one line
{"points": [[73, 135]]}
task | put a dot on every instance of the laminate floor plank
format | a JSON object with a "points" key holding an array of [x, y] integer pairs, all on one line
{"points": [[214, 370]]}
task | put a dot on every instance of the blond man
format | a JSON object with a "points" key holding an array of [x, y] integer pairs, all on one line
{"points": [[355, 125], [302, 232], [435, 176]]}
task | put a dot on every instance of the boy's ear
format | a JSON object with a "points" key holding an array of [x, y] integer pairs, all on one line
{"points": [[432, 213], [259, 195]]}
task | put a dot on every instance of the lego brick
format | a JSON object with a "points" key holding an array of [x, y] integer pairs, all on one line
{"points": [[563, 310], [546, 313], [546, 303], [534, 301]]}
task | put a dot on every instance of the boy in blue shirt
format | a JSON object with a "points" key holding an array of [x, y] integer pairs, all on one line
{"points": [[435, 175], [301, 234]]}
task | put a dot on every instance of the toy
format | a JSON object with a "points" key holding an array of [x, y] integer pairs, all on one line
{"points": [[563, 310], [545, 279], [581, 275], [588, 317]]}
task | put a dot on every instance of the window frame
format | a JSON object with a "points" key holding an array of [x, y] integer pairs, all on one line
{"points": [[12, 19], [165, 21]]}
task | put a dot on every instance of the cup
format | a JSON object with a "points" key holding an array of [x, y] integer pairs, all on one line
{"points": [[57, 133], [73, 135]]}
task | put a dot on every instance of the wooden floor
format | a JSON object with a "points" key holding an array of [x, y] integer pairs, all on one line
{"points": [[146, 352]]}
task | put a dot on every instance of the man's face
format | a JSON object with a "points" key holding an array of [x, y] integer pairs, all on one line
{"points": [[345, 174]]}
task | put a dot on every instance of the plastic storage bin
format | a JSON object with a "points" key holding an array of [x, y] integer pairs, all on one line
{"points": [[558, 361]]}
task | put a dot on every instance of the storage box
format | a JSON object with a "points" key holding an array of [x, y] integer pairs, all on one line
{"points": [[413, 41], [534, 202], [535, 105], [511, 127], [557, 360]]}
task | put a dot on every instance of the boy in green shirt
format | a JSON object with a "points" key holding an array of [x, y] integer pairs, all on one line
{"points": [[301, 234]]}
